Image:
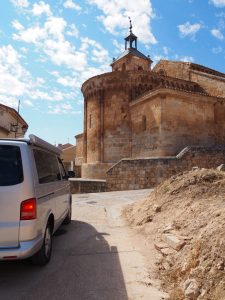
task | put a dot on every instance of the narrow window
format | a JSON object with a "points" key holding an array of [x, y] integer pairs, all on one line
{"points": [[144, 123], [90, 121]]}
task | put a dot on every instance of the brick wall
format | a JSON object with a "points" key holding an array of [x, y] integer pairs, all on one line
{"points": [[144, 173]]}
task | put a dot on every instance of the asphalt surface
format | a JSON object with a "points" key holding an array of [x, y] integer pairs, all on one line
{"points": [[94, 258]]}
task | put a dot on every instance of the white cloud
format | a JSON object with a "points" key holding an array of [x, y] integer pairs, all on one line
{"points": [[92, 71], [68, 81], [218, 3], [30, 35], [28, 103], [24, 50], [63, 108], [17, 25], [20, 3], [17, 83], [50, 39], [116, 13], [119, 46], [55, 27], [99, 54], [70, 4], [188, 29], [41, 8], [40, 81], [217, 34], [157, 58], [73, 31], [220, 15], [9, 101], [13, 77], [166, 50], [187, 58], [217, 50], [54, 73]]}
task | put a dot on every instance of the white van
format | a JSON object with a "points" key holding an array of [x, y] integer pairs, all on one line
{"points": [[35, 198]]}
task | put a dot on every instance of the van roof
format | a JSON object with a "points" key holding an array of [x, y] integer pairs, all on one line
{"points": [[35, 140]]}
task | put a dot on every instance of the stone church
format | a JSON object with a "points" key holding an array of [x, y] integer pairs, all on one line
{"points": [[138, 112]]}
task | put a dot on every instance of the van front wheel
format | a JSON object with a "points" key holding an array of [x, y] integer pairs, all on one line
{"points": [[43, 256]]}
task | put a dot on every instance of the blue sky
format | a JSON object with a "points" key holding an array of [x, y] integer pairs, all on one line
{"points": [[49, 48]]}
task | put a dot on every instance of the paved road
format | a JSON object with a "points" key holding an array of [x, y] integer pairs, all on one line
{"points": [[94, 258]]}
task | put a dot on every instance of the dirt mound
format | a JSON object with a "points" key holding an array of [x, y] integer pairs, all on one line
{"points": [[188, 212]]}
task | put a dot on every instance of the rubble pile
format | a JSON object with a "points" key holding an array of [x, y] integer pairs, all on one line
{"points": [[185, 217]]}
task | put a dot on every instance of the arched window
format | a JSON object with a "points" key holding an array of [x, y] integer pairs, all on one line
{"points": [[123, 67]]}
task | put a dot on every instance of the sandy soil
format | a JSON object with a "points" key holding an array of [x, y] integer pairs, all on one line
{"points": [[190, 208]]}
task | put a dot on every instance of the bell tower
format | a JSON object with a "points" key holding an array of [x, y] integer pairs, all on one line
{"points": [[131, 58], [130, 39]]}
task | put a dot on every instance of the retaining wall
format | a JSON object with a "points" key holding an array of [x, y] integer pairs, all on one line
{"points": [[79, 185], [131, 174]]}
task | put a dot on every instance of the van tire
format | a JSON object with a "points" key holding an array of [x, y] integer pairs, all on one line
{"points": [[67, 219], [43, 256]]}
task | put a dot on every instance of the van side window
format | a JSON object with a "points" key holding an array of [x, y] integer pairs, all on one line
{"points": [[47, 166], [62, 170], [11, 169]]}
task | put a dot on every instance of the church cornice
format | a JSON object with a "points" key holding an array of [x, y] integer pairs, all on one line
{"points": [[138, 83], [168, 92]]}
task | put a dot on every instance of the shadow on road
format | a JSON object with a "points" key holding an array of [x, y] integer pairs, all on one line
{"points": [[83, 267]]}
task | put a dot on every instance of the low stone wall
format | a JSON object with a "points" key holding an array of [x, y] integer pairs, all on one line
{"points": [[80, 185], [95, 171], [144, 173]]}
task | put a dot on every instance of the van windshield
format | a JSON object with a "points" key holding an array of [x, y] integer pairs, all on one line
{"points": [[11, 170]]}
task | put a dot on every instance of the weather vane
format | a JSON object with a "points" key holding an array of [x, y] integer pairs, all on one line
{"points": [[130, 25]]}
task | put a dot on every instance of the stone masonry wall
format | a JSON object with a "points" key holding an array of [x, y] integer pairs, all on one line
{"points": [[146, 123], [143, 173], [173, 119], [79, 186], [93, 125], [131, 63], [79, 149], [107, 124], [214, 85], [95, 171], [173, 69]]}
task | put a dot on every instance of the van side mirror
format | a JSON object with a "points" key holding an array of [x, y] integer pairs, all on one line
{"points": [[71, 174]]}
